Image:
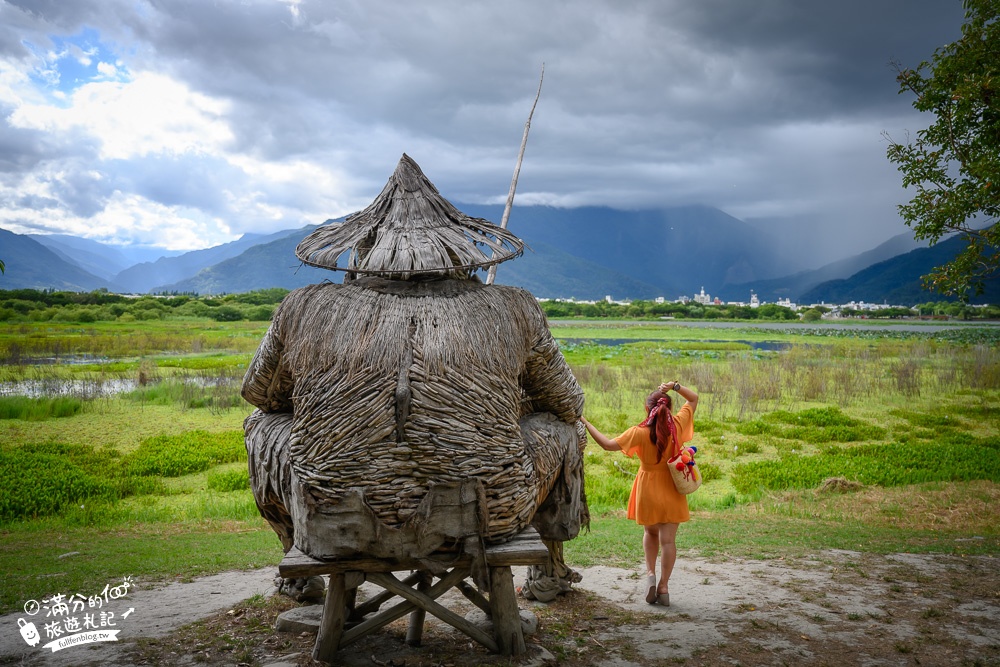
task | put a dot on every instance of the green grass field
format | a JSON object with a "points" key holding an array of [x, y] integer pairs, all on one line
{"points": [[151, 482]]}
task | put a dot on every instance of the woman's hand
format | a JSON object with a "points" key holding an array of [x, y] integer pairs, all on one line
{"points": [[606, 443]]}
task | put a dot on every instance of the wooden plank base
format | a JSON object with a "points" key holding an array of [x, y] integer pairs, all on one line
{"points": [[418, 595]]}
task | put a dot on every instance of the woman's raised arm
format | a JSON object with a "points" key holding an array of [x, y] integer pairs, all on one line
{"points": [[604, 441]]}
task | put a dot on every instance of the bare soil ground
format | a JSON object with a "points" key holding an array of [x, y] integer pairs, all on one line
{"points": [[837, 608]]}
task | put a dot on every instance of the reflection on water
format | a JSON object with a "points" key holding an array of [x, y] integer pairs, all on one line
{"points": [[767, 345], [68, 359], [89, 389], [79, 388]]}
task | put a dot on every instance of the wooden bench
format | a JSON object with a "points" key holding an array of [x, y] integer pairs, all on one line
{"points": [[419, 595]]}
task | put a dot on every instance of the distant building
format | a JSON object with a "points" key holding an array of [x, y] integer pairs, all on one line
{"points": [[754, 301], [703, 298]]}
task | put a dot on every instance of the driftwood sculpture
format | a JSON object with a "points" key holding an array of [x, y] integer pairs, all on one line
{"points": [[412, 409]]}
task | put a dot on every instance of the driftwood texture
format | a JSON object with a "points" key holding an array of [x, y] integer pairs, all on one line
{"points": [[397, 386]]}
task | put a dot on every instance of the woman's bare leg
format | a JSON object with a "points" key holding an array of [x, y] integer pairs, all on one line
{"points": [[651, 546], [667, 545]]}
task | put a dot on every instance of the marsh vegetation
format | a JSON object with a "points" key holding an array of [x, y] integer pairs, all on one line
{"points": [[121, 440]]}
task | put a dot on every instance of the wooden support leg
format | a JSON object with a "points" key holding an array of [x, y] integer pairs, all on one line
{"points": [[352, 580], [506, 616], [474, 596], [416, 629], [331, 627], [375, 603], [418, 599]]}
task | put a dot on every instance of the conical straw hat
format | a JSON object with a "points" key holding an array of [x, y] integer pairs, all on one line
{"points": [[410, 230]]}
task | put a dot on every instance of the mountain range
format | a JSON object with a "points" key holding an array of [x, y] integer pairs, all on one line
{"points": [[585, 253]]}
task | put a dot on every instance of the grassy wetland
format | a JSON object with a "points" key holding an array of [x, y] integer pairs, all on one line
{"points": [[121, 441]]}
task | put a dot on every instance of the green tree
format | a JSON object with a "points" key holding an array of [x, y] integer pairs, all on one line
{"points": [[954, 164], [812, 315], [226, 314]]}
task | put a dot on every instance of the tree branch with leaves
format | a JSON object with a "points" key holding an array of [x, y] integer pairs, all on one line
{"points": [[954, 164]]}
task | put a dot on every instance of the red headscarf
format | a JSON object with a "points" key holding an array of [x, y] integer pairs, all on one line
{"points": [[661, 423]]}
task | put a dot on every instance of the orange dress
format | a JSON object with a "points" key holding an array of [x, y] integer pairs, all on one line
{"points": [[654, 498]]}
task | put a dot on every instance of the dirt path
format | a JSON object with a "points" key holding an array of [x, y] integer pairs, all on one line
{"points": [[839, 608]]}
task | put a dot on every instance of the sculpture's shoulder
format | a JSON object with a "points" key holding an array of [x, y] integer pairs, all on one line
{"points": [[302, 297], [312, 291], [444, 289]]}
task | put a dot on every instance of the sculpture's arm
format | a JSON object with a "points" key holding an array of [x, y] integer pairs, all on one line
{"points": [[268, 382], [548, 381]]}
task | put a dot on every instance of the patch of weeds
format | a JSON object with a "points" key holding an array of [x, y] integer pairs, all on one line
{"points": [[39, 409], [893, 464], [814, 425], [186, 453], [932, 612], [62, 475], [928, 420], [709, 428], [229, 480], [710, 471]]}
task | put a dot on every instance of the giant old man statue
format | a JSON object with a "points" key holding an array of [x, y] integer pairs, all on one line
{"points": [[414, 409]]}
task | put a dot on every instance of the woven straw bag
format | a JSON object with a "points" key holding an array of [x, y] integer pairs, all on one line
{"points": [[684, 470]]}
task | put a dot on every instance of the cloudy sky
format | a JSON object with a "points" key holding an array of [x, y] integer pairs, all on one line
{"points": [[186, 123]]}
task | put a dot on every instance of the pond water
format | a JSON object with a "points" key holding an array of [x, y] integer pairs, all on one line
{"points": [[80, 388], [768, 345], [68, 359], [87, 389]]}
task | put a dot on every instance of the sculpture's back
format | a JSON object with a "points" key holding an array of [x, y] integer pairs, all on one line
{"points": [[412, 408]]}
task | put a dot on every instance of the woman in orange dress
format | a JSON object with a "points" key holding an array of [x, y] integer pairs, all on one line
{"points": [[655, 502]]}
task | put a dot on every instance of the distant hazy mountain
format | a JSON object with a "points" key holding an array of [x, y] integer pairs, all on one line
{"points": [[545, 273], [264, 265], [147, 276], [549, 273], [97, 258], [896, 281], [29, 264], [794, 285], [677, 250], [584, 253]]}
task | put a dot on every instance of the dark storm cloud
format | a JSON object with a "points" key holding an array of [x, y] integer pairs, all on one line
{"points": [[769, 109]]}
